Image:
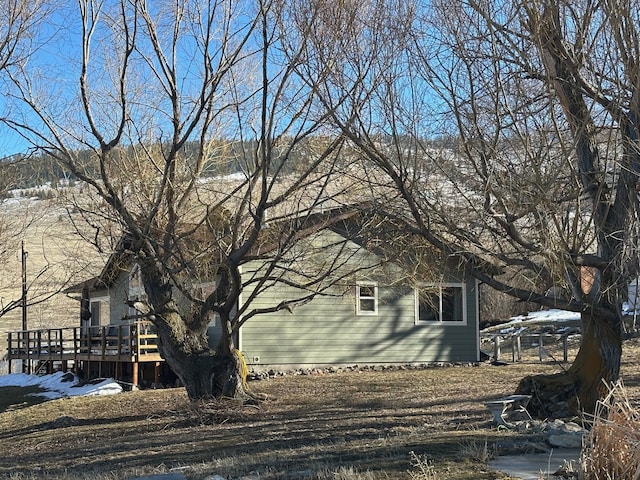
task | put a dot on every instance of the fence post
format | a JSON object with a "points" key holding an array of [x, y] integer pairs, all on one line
{"points": [[496, 349], [516, 348], [565, 347]]}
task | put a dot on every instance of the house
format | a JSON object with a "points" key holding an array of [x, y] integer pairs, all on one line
{"points": [[377, 312], [380, 308]]}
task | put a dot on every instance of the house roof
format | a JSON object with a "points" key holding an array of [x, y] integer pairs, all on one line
{"points": [[381, 237], [300, 227], [118, 261]]}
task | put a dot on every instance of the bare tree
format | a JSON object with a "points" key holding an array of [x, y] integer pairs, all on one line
{"points": [[197, 141], [536, 108]]}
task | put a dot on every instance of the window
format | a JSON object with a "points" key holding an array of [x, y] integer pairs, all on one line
{"points": [[366, 299], [440, 303], [95, 313]]}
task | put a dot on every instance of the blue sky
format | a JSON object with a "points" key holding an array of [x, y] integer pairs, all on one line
{"points": [[52, 48], [54, 67]]}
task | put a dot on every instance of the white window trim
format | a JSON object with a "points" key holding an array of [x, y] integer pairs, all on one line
{"points": [[374, 298], [440, 286], [101, 298]]}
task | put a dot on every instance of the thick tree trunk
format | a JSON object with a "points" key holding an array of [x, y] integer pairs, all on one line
{"points": [[577, 390], [183, 343], [203, 372]]}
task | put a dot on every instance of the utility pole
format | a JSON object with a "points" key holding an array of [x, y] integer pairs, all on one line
{"points": [[24, 288], [26, 364]]}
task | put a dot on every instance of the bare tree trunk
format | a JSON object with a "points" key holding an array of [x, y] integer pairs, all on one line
{"points": [[577, 390], [183, 343], [203, 372]]}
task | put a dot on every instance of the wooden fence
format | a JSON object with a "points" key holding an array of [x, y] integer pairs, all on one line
{"points": [[533, 345]]}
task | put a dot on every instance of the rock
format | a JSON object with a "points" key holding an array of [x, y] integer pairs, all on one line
{"points": [[564, 434], [65, 421], [565, 440], [214, 477], [68, 377], [558, 426], [271, 373], [574, 427]]}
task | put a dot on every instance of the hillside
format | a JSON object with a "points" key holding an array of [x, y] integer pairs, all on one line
{"points": [[57, 257]]}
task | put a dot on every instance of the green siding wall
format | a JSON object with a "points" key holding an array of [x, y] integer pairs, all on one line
{"points": [[328, 331], [117, 299]]}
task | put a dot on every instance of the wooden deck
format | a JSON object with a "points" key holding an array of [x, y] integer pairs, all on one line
{"points": [[92, 350]]}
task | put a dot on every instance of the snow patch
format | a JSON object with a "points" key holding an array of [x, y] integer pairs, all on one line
{"points": [[551, 315], [60, 384]]}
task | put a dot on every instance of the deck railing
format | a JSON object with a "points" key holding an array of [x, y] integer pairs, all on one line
{"points": [[133, 342]]}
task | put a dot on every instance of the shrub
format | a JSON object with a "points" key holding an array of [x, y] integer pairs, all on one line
{"points": [[421, 468], [612, 449]]}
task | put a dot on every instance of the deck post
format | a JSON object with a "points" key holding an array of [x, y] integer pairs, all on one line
{"points": [[61, 343], [26, 368], [134, 367], [76, 347], [103, 342], [38, 348], [9, 352], [156, 373]]}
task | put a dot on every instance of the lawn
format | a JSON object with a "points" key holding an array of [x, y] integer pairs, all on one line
{"points": [[357, 425]]}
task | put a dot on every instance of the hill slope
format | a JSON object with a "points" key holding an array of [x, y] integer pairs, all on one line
{"points": [[57, 257]]}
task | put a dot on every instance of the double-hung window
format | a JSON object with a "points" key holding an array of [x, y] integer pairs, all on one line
{"points": [[366, 299], [442, 303]]}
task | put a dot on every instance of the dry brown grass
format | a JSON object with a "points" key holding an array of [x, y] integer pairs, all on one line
{"points": [[342, 426], [368, 422], [612, 450], [350, 426], [57, 257]]}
